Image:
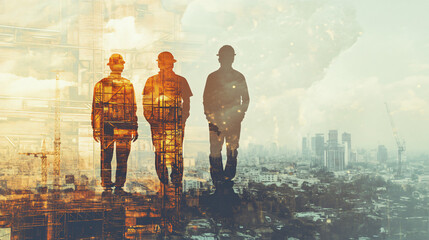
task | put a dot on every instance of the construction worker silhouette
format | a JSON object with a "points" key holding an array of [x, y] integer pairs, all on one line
{"points": [[225, 100], [114, 120], [166, 104]]}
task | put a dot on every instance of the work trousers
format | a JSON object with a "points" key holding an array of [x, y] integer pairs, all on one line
{"points": [[218, 135], [167, 138], [123, 146]]}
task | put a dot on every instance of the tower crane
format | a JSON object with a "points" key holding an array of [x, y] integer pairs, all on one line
{"points": [[57, 144], [43, 154], [57, 134], [400, 143]]}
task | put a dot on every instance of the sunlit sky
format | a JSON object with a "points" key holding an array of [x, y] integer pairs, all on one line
{"points": [[311, 65]]}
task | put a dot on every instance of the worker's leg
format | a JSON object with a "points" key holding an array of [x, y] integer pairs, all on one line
{"points": [[216, 142], [107, 144], [160, 160], [177, 164], [161, 168], [232, 139], [123, 147]]}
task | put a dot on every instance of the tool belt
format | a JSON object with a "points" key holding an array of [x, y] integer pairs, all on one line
{"points": [[116, 128]]}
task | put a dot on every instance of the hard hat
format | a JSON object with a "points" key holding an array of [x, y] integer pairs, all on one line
{"points": [[166, 57], [226, 50], [115, 59]]}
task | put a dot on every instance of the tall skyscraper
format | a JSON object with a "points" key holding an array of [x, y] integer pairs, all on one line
{"points": [[347, 142], [313, 144], [305, 149], [319, 149], [347, 139], [382, 154], [304, 145], [333, 138], [334, 153]]}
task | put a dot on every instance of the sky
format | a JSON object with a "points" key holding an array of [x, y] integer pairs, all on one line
{"points": [[313, 66], [310, 65]]}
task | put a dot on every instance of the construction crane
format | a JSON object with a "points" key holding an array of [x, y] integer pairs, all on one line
{"points": [[57, 144], [43, 154], [57, 134], [400, 143]]}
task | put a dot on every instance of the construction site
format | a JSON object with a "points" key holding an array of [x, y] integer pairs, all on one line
{"points": [[51, 164]]}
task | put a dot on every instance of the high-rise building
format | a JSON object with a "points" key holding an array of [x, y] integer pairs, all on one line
{"points": [[334, 154], [331, 155], [306, 151], [313, 144], [347, 139], [382, 154], [335, 158], [319, 149], [304, 144], [347, 142], [333, 138]]}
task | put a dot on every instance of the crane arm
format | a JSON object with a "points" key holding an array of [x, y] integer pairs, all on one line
{"points": [[394, 129]]}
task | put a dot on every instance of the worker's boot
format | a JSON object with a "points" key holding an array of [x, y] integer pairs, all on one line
{"points": [[177, 173], [106, 160], [216, 170], [231, 165], [122, 153], [119, 191], [107, 192]]}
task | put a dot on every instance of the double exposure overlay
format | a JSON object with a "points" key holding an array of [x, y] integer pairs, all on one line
{"points": [[202, 119]]}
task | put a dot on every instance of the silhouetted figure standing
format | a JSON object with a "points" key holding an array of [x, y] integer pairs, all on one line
{"points": [[166, 104], [226, 100], [114, 120]]}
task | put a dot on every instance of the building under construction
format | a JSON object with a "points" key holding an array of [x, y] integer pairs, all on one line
{"points": [[70, 37], [82, 215], [46, 130]]}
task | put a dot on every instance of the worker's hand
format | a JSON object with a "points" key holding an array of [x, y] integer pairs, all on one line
{"points": [[210, 117], [97, 139], [241, 116], [214, 128], [185, 117], [135, 135]]}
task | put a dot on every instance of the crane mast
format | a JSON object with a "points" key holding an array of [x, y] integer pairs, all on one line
{"points": [[400, 144]]}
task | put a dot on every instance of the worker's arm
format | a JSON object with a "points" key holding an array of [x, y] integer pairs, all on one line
{"points": [[245, 99], [186, 94], [148, 100], [135, 119], [95, 118], [207, 100], [186, 109]]}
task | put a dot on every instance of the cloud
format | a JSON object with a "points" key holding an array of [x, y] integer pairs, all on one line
{"points": [[31, 13], [17, 86], [123, 34], [288, 43], [283, 49]]}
